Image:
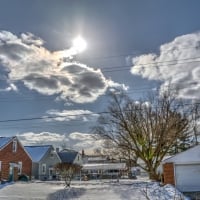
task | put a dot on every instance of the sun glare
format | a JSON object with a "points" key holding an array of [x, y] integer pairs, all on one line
{"points": [[79, 44]]}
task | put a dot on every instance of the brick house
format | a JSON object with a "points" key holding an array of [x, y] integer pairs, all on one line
{"points": [[14, 160]]}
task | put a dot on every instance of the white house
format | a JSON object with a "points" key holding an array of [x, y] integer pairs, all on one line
{"points": [[44, 158]]}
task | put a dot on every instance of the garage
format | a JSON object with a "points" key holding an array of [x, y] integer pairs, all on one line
{"points": [[183, 170], [187, 177]]}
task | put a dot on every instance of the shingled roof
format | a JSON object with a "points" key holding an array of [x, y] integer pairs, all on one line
{"points": [[4, 141], [37, 152], [67, 156]]}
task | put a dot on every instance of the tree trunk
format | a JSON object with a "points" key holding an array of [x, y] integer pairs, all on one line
{"points": [[153, 175], [67, 181]]}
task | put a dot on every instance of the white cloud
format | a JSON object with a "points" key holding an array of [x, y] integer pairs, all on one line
{"points": [[177, 63], [75, 140], [85, 141], [81, 136], [27, 60], [31, 138], [68, 115]]}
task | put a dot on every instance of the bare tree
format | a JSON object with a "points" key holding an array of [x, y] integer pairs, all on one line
{"points": [[147, 129], [67, 171]]}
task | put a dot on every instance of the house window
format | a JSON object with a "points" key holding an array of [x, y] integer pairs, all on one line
{"points": [[43, 168], [19, 167], [14, 147]]}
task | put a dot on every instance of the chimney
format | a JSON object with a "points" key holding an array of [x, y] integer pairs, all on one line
{"points": [[57, 149], [83, 153]]}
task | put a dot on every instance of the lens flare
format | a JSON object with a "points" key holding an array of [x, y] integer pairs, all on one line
{"points": [[79, 44]]}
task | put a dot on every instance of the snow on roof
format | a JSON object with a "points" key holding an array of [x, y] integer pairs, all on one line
{"points": [[4, 141], [191, 155], [97, 158], [37, 152], [104, 166]]}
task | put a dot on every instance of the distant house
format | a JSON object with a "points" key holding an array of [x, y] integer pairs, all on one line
{"points": [[14, 160], [70, 157], [97, 159], [183, 170], [44, 158], [103, 170], [100, 166]]}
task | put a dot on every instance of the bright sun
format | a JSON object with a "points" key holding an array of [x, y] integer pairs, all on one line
{"points": [[79, 44]]}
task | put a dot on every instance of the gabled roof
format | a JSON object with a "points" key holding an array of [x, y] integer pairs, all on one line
{"points": [[38, 152], [191, 155], [4, 141], [67, 156]]}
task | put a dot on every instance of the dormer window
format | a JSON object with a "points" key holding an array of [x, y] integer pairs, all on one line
{"points": [[14, 147]]}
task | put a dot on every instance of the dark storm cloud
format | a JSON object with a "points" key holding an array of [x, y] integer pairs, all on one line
{"points": [[73, 69], [41, 81], [93, 81]]}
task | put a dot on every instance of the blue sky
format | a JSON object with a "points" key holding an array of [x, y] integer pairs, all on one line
{"points": [[132, 45]]}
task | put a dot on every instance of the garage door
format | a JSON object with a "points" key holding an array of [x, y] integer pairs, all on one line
{"points": [[187, 177]]}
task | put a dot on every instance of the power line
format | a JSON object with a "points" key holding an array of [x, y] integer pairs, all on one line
{"points": [[48, 117], [78, 115], [122, 68], [47, 98], [51, 124], [134, 54], [144, 65]]}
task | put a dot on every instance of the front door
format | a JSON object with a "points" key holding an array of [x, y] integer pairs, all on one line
{"points": [[50, 173], [11, 172]]}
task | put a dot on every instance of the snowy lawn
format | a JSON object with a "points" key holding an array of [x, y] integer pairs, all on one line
{"points": [[90, 190], [28, 191], [122, 190]]}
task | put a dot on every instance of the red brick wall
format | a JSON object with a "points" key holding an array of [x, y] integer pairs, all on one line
{"points": [[168, 173], [7, 156]]}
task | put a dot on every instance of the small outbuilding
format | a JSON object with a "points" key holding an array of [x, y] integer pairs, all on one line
{"points": [[183, 170]]}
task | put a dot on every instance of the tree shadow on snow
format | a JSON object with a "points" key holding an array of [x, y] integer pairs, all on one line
{"points": [[66, 193], [130, 191]]}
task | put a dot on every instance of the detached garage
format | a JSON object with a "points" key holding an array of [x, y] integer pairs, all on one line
{"points": [[183, 170]]}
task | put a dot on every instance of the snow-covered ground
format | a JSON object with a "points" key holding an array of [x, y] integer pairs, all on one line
{"points": [[28, 191], [90, 190]]}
